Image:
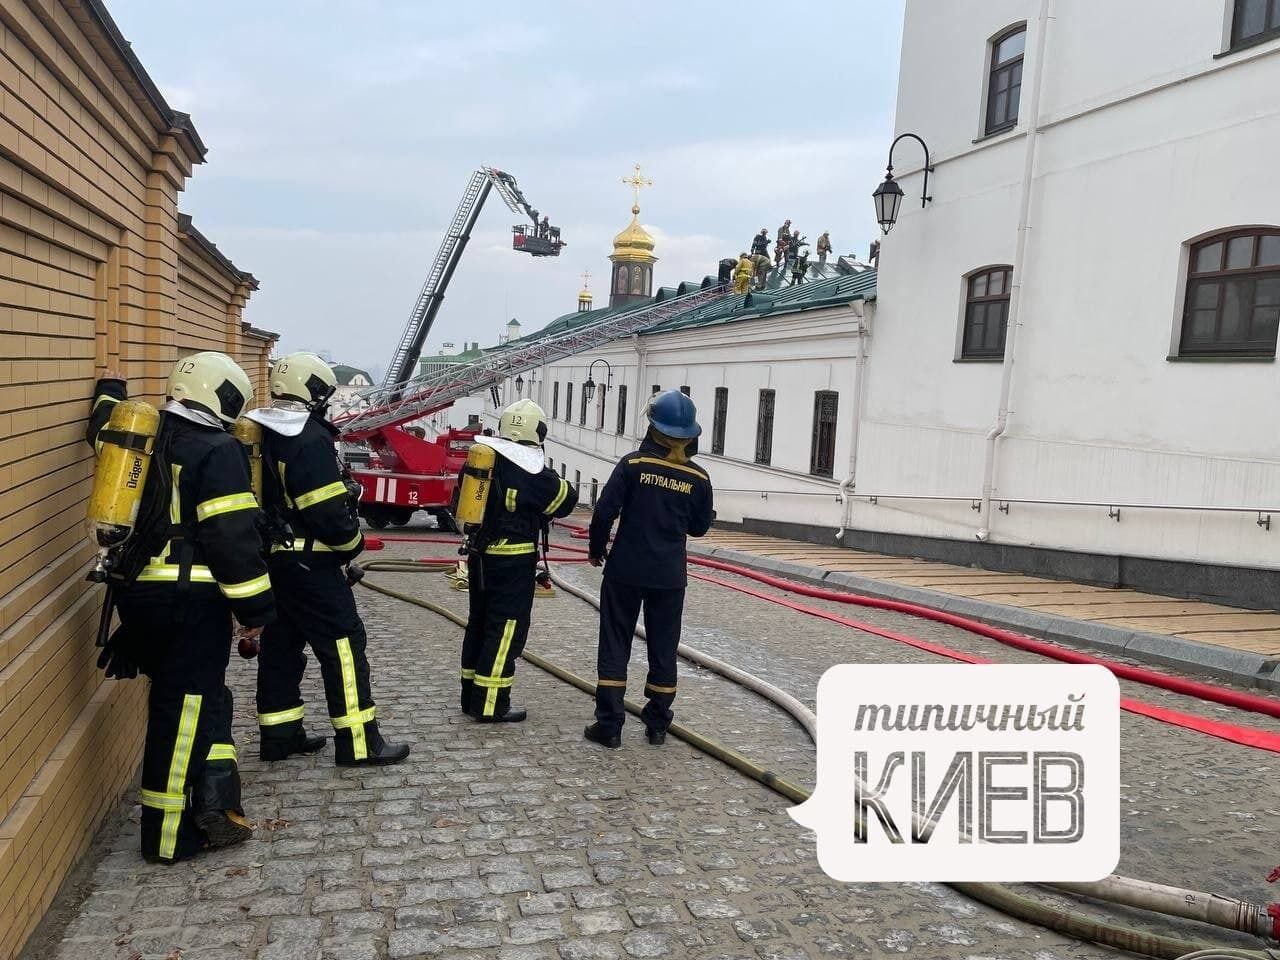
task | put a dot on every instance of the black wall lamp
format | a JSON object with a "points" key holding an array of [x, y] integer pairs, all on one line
{"points": [[520, 385], [589, 388], [888, 196]]}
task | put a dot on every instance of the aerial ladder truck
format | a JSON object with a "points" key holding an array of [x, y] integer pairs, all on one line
{"points": [[414, 473]]}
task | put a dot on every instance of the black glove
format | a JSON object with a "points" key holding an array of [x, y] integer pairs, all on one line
{"points": [[115, 659]]}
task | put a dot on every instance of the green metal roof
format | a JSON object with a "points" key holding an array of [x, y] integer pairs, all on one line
{"points": [[345, 374]]}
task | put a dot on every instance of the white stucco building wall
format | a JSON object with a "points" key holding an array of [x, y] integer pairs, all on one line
{"points": [[1152, 135]]}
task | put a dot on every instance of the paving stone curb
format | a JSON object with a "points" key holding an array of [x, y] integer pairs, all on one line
{"points": [[1192, 656]]}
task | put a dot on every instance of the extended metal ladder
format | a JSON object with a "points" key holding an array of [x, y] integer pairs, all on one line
{"points": [[397, 403], [455, 240]]}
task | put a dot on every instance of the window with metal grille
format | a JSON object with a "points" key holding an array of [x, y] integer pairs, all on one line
{"points": [[764, 427], [717, 423], [986, 314], [656, 390], [622, 409], [555, 400], [582, 414], [600, 408], [568, 403], [685, 390], [1254, 21], [577, 482], [1233, 295], [822, 450], [595, 490], [562, 471], [1004, 84]]}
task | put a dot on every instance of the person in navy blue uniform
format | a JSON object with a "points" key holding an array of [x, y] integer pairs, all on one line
{"points": [[663, 497]]}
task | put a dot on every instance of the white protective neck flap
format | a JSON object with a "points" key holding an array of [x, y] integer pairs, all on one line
{"points": [[527, 458], [287, 423], [195, 416]]}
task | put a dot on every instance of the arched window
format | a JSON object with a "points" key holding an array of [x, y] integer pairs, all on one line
{"points": [[986, 314], [1004, 83], [1233, 295]]}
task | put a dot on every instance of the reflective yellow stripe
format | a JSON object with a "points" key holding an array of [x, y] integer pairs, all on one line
{"points": [[667, 463], [222, 751], [351, 697], [164, 801], [657, 689], [248, 588], [496, 681], [355, 721], [343, 547], [468, 674], [175, 498], [503, 549], [559, 497], [177, 784], [227, 504], [280, 716], [284, 487], [168, 573], [321, 494], [511, 500], [611, 683], [103, 398]]}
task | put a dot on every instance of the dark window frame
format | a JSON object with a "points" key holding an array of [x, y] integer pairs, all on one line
{"points": [[657, 389], [595, 490], [600, 404], [985, 305], [1270, 24], [622, 409], [766, 404], [1004, 77], [1243, 282], [720, 414], [686, 390], [822, 443], [555, 400], [582, 414], [568, 402]]}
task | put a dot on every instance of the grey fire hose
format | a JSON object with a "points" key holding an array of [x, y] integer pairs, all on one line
{"points": [[1066, 922]]}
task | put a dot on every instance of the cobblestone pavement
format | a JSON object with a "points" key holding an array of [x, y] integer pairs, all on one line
{"points": [[526, 842]]}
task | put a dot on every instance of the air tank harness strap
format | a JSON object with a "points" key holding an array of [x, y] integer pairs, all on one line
{"points": [[127, 439]]}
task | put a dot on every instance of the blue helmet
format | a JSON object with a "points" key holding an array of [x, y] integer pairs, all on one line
{"points": [[673, 414]]}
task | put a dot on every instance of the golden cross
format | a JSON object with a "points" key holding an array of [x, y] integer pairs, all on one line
{"points": [[636, 182], [586, 278]]}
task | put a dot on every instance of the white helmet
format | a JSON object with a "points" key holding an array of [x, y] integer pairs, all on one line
{"points": [[303, 378], [523, 422], [211, 382]]}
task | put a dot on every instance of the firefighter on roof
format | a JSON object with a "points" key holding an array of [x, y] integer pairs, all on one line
{"points": [[662, 496], [308, 497], [192, 562], [522, 497]]}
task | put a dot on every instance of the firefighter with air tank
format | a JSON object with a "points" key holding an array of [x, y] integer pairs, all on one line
{"points": [[175, 523], [507, 497], [662, 496], [309, 503]]}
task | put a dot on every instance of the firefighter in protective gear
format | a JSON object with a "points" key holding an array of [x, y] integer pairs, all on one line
{"points": [[307, 494], [524, 496], [201, 565], [663, 496], [743, 273]]}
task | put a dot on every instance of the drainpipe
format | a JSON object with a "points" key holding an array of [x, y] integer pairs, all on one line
{"points": [[1019, 269], [859, 377]]}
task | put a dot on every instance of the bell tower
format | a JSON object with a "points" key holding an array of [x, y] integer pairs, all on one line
{"points": [[631, 276], [584, 295]]}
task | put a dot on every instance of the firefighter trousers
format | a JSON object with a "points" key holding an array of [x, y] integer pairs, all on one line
{"points": [[316, 608], [620, 605], [189, 758], [500, 590]]}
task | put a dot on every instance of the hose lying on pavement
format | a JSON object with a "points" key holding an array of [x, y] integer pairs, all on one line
{"points": [[1000, 898]]}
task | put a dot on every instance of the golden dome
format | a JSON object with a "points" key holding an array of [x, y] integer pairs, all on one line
{"points": [[633, 243], [584, 294]]}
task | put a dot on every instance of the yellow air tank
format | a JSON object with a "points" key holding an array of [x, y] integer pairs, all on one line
{"points": [[477, 478], [249, 433], [124, 457]]}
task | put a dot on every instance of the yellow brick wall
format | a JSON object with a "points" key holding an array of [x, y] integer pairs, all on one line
{"points": [[92, 273]]}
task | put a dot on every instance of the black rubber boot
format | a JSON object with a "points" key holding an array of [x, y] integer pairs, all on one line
{"points": [[272, 749], [224, 828], [387, 753], [596, 734], [656, 737], [511, 716]]}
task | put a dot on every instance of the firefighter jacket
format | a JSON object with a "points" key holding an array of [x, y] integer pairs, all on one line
{"points": [[519, 504], [760, 245], [661, 501], [211, 544], [305, 486]]}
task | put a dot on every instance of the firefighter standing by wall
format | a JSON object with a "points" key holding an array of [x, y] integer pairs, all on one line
{"points": [[197, 543], [524, 495], [662, 497], [305, 491]]}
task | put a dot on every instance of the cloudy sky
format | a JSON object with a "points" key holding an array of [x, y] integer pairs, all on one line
{"points": [[341, 135]]}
